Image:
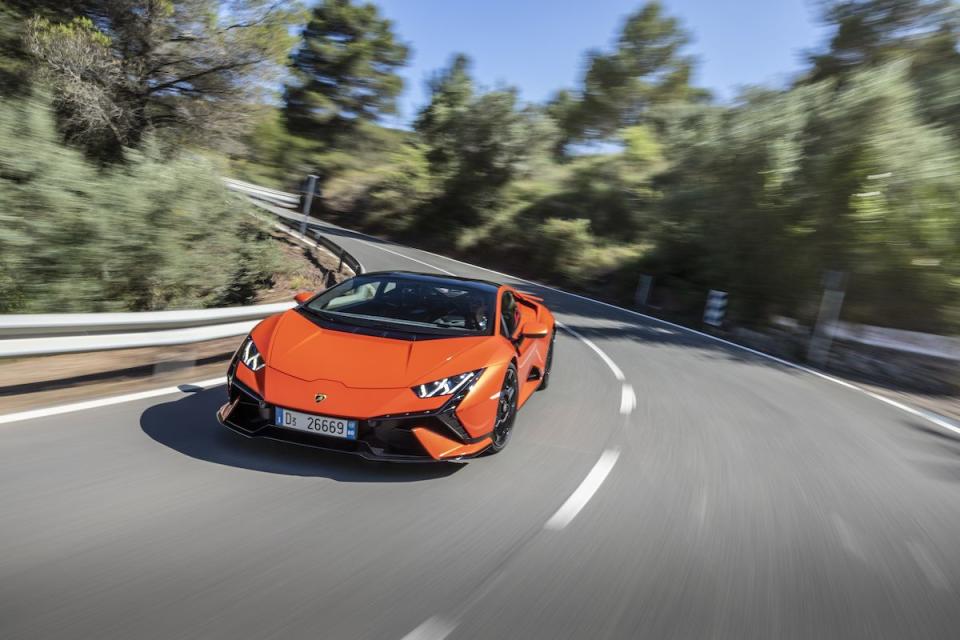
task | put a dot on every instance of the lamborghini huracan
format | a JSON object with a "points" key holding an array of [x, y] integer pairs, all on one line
{"points": [[394, 366]]}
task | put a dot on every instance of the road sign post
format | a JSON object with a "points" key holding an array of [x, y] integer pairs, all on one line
{"points": [[834, 289], [642, 295], [308, 202]]}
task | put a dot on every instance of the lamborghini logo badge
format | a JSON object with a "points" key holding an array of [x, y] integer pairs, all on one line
{"points": [[319, 398]]}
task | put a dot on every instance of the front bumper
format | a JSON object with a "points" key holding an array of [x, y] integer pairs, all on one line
{"points": [[419, 437]]}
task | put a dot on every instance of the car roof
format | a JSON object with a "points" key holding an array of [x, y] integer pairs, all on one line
{"points": [[475, 283]]}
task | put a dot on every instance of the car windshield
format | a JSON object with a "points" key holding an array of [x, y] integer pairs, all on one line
{"points": [[431, 306]]}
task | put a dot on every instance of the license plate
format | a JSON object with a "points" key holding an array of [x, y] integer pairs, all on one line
{"points": [[321, 425]]}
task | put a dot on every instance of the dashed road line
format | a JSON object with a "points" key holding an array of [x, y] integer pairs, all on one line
{"points": [[434, 628], [617, 373], [579, 498], [628, 399]]}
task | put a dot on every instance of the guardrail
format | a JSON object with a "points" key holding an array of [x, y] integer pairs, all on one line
{"points": [[280, 203], [263, 193], [86, 324], [44, 346], [925, 344], [43, 334]]}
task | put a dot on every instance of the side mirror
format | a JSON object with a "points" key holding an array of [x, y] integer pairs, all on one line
{"points": [[303, 296], [535, 330]]}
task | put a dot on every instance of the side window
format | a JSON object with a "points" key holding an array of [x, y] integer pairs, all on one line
{"points": [[508, 314]]}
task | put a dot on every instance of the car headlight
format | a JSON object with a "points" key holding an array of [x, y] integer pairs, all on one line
{"points": [[446, 386], [250, 356]]}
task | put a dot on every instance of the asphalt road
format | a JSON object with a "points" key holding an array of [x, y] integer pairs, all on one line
{"points": [[672, 487]]}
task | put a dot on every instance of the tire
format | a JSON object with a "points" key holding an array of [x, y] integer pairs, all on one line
{"points": [[545, 380], [506, 410]]}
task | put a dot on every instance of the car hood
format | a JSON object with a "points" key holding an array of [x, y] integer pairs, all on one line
{"points": [[299, 348]]}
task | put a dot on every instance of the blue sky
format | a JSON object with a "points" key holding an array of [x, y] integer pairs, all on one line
{"points": [[539, 45]]}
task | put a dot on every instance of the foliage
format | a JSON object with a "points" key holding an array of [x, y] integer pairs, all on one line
{"points": [[647, 68], [181, 68], [613, 193], [871, 32], [271, 155], [874, 32], [853, 168], [477, 143], [344, 71], [386, 194], [152, 234], [787, 185]]}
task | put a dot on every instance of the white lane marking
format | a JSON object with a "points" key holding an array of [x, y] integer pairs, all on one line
{"points": [[930, 569], [920, 413], [628, 399], [434, 628], [103, 402], [617, 373], [579, 498], [929, 417]]}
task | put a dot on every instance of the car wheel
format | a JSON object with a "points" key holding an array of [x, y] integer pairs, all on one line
{"points": [[545, 379], [506, 410]]}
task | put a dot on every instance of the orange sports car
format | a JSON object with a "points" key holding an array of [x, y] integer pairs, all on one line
{"points": [[394, 366]]}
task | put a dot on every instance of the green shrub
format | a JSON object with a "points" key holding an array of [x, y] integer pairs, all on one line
{"points": [[153, 233]]}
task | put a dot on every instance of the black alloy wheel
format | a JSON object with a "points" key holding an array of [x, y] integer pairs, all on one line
{"points": [[506, 410]]}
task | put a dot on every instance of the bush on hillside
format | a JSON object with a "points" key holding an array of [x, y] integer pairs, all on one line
{"points": [[153, 233]]}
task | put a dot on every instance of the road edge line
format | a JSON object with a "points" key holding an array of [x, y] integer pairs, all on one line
{"points": [[33, 414]]}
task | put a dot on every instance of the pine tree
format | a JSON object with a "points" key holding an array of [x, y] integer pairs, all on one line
{"points": [[344, 71]]}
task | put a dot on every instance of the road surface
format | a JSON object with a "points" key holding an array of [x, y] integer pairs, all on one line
{"points": [[665, 486]]}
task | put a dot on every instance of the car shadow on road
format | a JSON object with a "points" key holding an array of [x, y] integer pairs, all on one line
{"points": [[189, 426]]}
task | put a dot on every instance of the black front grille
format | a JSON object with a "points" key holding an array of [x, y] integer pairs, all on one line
{"points": [[252, 416], [388, 437]]}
